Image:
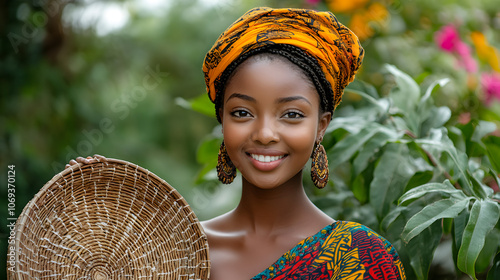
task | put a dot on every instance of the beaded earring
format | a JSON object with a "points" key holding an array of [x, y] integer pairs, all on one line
{"points": [[226, 171], [319, 166]]}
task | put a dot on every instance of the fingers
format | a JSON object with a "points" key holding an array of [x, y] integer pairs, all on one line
{"points": [[100, 158], [87, 160], [71, 162], [83, 160]]}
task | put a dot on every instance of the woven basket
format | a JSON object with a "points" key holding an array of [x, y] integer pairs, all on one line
{"points": [[109, 220]]}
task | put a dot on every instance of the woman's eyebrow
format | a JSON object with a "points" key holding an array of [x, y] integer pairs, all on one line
{"points": [[241, 96], [292, 98]]}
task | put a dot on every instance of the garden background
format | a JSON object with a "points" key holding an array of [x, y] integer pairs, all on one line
{"points": [[123, 79]]}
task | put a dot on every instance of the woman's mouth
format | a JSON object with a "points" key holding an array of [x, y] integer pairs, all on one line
{"points": [[266, 162], [263, 158]]}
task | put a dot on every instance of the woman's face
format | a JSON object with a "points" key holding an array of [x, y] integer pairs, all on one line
{"points": [[270, 121]]}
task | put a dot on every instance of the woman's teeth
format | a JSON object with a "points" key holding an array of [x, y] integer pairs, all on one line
{"points": [[263, 158]]}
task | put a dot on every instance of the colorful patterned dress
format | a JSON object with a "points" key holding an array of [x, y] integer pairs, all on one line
{"points": [[342, 250]]}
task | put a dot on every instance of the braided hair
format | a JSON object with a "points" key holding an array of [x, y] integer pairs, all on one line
{"points": [[295, 55]]}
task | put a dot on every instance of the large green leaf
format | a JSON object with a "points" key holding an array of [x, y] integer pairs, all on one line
{"points": [[371, 147], [359, 189], [445, 208], [436, 118], [483, 217], [392, 216], [482, 129], [494, 272], [207, 156], [480, 189], [406, 94], [493, 151], [491, 245], [430, 116], [419, 251], [445, 188], [391, 175], [200, 104], [426, 98], [208, 151], [456, 135], [473, 132], [422, 249], [365, 88], [352, 124], [419, 178], [380, 105], [348, 146], [459, 223], [440, 143]]}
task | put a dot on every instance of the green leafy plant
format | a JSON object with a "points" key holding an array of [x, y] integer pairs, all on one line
{"points": [[397, 165], [425, 180]]}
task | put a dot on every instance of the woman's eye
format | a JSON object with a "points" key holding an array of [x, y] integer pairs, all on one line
{"points": [[293, 115], [240, 114]]}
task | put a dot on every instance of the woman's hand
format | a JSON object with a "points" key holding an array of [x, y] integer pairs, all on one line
{"points": [[87, 160]]}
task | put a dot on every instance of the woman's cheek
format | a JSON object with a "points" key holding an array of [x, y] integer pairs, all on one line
{"points": [[234, 137], [301, 139]]}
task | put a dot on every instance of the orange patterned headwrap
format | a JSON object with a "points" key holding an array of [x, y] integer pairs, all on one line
{"points": [[319, 34]]}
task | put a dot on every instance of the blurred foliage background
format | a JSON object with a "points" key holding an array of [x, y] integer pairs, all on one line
{"points": [[79, 77]]}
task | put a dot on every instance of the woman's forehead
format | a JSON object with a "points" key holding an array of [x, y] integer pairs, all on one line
{"points": [[275, 69], [271, 79]]}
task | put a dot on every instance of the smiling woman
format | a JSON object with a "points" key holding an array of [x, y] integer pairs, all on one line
{"points": [[271, 111], [275, 77]]}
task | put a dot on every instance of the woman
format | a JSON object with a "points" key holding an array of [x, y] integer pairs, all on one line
{"points": [[275, 76]]}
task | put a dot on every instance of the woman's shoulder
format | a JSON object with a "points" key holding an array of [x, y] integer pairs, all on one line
{"points": [[216, 227], [360, 235], [222, 232], [339, 227], [376, 253]]}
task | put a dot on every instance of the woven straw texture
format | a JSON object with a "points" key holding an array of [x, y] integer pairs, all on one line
{"points": [[109, 220]]}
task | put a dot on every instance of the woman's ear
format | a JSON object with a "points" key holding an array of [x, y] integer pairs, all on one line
{"points": [[324, 121]]}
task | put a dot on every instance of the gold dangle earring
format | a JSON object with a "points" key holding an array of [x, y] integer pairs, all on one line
{"points": [[319, 166], [226, 171]]}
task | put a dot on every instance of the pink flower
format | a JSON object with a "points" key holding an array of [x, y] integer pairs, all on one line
{"points": [[448, 40], [465, 58], [491, 86]]}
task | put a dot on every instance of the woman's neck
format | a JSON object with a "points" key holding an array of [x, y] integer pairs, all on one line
{"points": [[265, 211]]}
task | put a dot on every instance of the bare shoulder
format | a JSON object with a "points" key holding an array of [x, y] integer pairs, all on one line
{"points": [[217, 225], [225, 246], [220, 231]]}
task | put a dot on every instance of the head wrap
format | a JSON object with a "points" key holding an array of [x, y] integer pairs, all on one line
{"points": [[319, 35]]}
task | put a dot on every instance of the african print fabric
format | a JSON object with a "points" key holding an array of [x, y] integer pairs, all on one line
{"points": [[319, 34], [342, 250]]}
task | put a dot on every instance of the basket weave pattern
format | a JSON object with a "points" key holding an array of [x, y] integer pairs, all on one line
{"points": [[109, 220]]}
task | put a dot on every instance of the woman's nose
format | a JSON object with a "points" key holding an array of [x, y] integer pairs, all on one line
{"points": [[265, 132]]}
